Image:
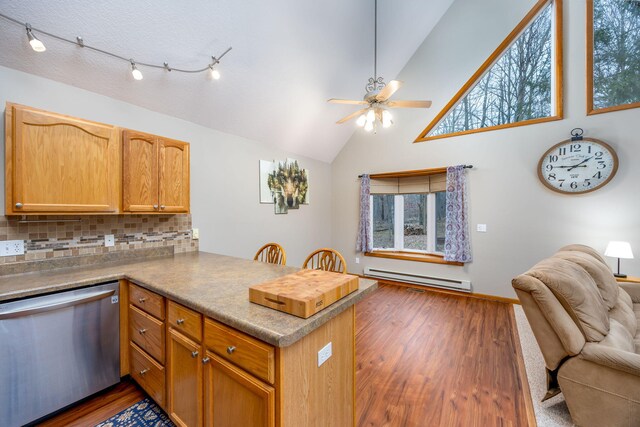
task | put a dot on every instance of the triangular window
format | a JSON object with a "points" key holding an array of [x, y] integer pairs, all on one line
{"points": [[519, 84]]}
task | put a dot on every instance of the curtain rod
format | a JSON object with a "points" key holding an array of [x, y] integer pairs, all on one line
{"points": [[464, 166]]}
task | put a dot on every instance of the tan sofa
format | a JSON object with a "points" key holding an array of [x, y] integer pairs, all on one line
{"points": [[587, 326]]}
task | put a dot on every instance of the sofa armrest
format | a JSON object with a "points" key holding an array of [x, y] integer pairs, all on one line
{"points": [[611, 357], [633, 289]]}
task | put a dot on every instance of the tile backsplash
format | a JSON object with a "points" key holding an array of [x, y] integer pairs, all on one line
{"points": [[47, 237]]}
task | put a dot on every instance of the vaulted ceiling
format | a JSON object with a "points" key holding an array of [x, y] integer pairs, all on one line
{"points": [[288, 58]]}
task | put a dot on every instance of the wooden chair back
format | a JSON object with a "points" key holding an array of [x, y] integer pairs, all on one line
{"points": [[326, 259], [271, 253]]}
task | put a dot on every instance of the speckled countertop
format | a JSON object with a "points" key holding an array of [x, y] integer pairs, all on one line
{"points": [[215, 285]]}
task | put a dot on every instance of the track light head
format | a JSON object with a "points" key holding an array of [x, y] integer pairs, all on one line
{"points": [[35, 43], [137, 74]]}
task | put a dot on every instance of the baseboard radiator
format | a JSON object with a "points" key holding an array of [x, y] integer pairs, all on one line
{"points": [[418, 279]]}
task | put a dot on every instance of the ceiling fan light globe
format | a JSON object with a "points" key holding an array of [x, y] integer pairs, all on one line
{"points": [[386, 119], [368, 126], [371, 116], [215, 74], [362, 120]]}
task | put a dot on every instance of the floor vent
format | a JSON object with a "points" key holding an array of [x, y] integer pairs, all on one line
{"points": [[418, 279]]}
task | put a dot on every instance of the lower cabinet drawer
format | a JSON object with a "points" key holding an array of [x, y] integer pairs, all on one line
{"points": [[148, 373], [252, 355], [147, 332]]}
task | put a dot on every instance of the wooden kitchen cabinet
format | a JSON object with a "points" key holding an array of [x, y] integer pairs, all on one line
{"points": [[235, 398], [184, 380], [155, 174], [59, 164]]}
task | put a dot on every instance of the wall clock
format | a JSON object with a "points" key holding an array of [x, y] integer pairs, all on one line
{"points": [[578, 165]]}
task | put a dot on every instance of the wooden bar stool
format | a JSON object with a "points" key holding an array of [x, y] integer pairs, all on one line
{"points": [[326, 259], [271, 253]]}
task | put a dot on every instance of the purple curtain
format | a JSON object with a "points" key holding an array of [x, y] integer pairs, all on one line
{"points": [[365, 240], [456, 236]]}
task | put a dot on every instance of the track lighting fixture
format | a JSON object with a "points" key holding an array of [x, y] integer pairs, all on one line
{"points": [[137, 74], [35, 43], [38, 46]]}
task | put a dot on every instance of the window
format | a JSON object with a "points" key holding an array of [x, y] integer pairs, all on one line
{"points": [[519, 83], [408, 215], [613, 55], [411, 222]]}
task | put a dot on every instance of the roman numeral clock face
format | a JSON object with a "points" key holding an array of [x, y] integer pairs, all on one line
{"points": [[575, 167]]}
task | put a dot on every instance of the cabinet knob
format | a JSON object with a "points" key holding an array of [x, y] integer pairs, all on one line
{"points": [[194, 354], [144, 371], [180, 321], [155, 207], [142, 300], [142, 331], [231, 349], [206, 360], [18, 205], [162, 206]]}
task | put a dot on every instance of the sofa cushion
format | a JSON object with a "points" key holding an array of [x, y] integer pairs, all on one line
{"points": [[623, 313], [577, 292], [601, 274], [585, 249], [619, 337]]}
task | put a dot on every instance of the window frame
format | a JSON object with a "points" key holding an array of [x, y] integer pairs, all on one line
{"points": [[557, 77], [590, 51]]}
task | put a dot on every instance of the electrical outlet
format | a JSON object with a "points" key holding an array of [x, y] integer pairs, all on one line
{"points": [[109, 240], [324, 354], [12, 247], [357, 260], [482, 228], [195, 234]]}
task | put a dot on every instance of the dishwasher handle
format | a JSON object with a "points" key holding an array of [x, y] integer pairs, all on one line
{"points": [[82, 299]]}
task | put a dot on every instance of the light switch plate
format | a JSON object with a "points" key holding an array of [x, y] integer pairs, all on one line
{"points": [[482, 228], [109, 240], [324, 354], [195, 234], [357, 260], [12, 247]]}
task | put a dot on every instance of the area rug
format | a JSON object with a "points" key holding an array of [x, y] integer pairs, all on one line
{"points": [[553, 412], [142, 414]]}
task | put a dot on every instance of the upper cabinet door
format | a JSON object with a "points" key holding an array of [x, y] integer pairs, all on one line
{"points": [[59, 164], [140, 172], [173, 176]]}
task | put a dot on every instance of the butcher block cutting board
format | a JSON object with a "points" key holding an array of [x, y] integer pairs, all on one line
{"points": [[304, 293]]}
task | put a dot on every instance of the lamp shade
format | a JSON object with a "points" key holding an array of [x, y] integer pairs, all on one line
{"points": [[619, 250]]}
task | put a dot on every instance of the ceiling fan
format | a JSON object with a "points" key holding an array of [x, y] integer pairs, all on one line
{"points": [[376, 100]]}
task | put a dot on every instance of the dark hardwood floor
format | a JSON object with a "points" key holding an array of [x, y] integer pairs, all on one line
{"points": [[433, 359], [98, 408], [423, 359]]}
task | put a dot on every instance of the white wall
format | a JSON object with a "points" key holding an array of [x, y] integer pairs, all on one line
{"points": [[526, 221], [224, 171]]}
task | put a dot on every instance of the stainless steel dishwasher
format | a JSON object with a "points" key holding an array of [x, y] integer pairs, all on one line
{"points": [[57, 349]]}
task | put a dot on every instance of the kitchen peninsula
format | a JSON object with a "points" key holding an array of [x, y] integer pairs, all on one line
{"points": [[190, 337]]}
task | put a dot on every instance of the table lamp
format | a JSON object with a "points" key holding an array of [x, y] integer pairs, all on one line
{"points": [[619, 250]]}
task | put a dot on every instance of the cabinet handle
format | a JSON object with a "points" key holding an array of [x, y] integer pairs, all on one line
{"points": [[194, 353], [18, 205], [231, 349], [206, 360], [155, 207], [180, 321], [142, 331], [142, 300], [162, 206], [144, 371]]}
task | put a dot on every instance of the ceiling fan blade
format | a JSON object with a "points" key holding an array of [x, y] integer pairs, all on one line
{"points": [[409, 104], [389, 90], [346, 101], [351, 116]]}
